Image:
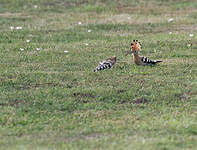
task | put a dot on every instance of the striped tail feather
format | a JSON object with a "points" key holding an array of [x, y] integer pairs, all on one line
{"points": [[106, 64], [158, 61], [103, 65], [148, 61]]}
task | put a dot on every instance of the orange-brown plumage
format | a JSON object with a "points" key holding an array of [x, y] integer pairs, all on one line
{"points": [[135, 48], [140, 60], [135, 45]]}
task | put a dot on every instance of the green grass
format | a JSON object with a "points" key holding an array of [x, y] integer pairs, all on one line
{"points": [[50, 99]]}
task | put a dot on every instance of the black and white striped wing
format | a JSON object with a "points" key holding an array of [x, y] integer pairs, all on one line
{"points": [[107, 64], [147, 61]]}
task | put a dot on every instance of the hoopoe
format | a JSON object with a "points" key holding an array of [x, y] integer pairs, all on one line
{"points": [[106, 64], [140, 60]]}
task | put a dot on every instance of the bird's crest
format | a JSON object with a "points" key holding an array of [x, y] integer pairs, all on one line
{"points": [[135, 45]]}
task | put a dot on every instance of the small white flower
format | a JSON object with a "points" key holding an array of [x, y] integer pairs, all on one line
{"points": [[22, 49], [191, 35], [35, 6], [12, 28], [129, 18], [170, 32], [19, 28], [89, 30], [27, 41], [86, 44], [65, 51], [38, 49], [170, 19], [79, 23]]}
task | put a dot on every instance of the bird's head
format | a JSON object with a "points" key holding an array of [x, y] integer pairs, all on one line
{"points": [[113, 58], [135, 47]]}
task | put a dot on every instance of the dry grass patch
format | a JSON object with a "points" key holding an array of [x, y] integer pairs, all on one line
{"points": [[8, 14]]}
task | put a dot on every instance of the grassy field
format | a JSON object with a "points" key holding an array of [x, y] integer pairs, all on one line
{"points": [[50, 98]]}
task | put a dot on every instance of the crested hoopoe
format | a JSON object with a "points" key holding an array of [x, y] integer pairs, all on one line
{"points": [[140, 60], [106, 64]]}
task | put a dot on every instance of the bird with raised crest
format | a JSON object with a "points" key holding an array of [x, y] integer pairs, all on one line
{"points": [[140, 60]]}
